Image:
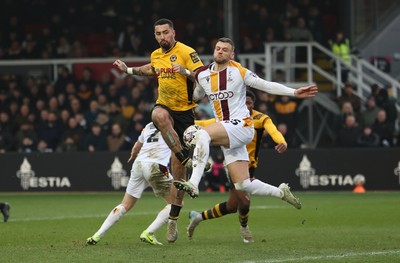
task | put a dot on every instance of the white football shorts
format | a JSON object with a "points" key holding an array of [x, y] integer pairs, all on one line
{"points": [[145, 174], [240, 133]]}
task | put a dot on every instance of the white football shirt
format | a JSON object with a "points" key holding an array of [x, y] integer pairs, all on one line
{"points": [[226, 89], [154, 148]]}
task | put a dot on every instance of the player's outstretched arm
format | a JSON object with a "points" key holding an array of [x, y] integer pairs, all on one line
{"points": [[145, 70], [135, 151], [306, 92]]}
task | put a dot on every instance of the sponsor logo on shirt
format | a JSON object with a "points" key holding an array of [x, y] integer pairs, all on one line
{"points": [[221, 95]]}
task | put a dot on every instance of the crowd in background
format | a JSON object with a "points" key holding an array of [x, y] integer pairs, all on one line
{"points": [[108, 114], [77, 29]]}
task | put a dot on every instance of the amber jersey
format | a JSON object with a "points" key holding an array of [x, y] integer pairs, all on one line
{"points": [[175, 90], [262, 122]]}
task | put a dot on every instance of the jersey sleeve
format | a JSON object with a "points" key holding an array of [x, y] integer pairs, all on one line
{"points": [[251, 79], [276, 135], [141, 136], [193, 61]]}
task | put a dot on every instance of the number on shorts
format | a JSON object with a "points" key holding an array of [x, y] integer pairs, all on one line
{"points": [[235, 121]]}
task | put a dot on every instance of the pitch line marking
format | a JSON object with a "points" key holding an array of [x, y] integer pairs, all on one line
{"points": [[133, 213], [344, 255]]}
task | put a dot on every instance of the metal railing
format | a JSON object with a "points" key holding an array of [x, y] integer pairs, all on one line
{"points": [[361, 73]]}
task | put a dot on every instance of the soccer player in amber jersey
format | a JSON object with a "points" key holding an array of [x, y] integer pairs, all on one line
{"points": [[224, 82], [238, 200], [173, 64]]}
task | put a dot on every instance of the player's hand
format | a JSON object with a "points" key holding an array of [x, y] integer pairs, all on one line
{"points": [[131, 158], [121, 65], [280, 148], [177, 68], [306, 92]]}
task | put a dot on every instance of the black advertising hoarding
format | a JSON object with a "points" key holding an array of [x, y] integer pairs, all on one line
{"points": [[332, 169], [82, 171], [304, 170]]}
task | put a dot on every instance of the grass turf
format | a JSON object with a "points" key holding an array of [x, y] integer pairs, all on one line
{"points": [[331, 227]]}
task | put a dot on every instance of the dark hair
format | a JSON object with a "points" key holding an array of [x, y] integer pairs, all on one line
{"points": [[164, 21], [251, 94], [227, 40]]}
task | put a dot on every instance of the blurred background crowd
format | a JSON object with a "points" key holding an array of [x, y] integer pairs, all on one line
{"points": [[88, 114]]}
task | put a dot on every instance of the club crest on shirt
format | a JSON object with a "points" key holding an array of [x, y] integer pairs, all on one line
{"points": [[195, 57], [173, 58]]}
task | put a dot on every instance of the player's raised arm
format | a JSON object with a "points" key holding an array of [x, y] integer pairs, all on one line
{"points": [[275, 88], [145, 70]]}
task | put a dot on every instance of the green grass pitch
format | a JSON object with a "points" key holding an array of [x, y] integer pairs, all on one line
{"points": [[331, 227]]}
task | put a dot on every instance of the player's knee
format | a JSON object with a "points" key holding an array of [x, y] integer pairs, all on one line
{"points": [[231, 207], [122, 208], [160, 117], [243, 185], [244, 202]]}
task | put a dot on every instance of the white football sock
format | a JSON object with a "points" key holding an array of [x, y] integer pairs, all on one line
{"points": [[160, 220], [114, 216], [200, 156], [258, 187]]}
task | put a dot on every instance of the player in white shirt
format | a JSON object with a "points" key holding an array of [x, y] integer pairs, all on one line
{"points": [[224, 83], [150, 156]]}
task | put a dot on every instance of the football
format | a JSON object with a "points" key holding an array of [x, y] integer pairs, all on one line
{"points": [[189, 136]]}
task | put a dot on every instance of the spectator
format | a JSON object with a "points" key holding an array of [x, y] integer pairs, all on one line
{"points": [[75, 132], [300, 32], [95, 141], [4, 98], [117, 140], [103, 119], [64, 117], [348, 95], [346, 110], [23, 115], [368, 138], [384, 129], [340, 46], [91, 114], [127, 109], [116, 116], [53, 106], [349, 133], [75, 106], [68, 145], [285, 109], [64, 77], [26, 138], [50, 131], [42, 147], [315, 24], [368, 115], [103, 103], [6, 137], [6, 124]]}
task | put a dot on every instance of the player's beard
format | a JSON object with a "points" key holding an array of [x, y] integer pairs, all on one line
{"points": [[165, 45], [220, 60]]}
